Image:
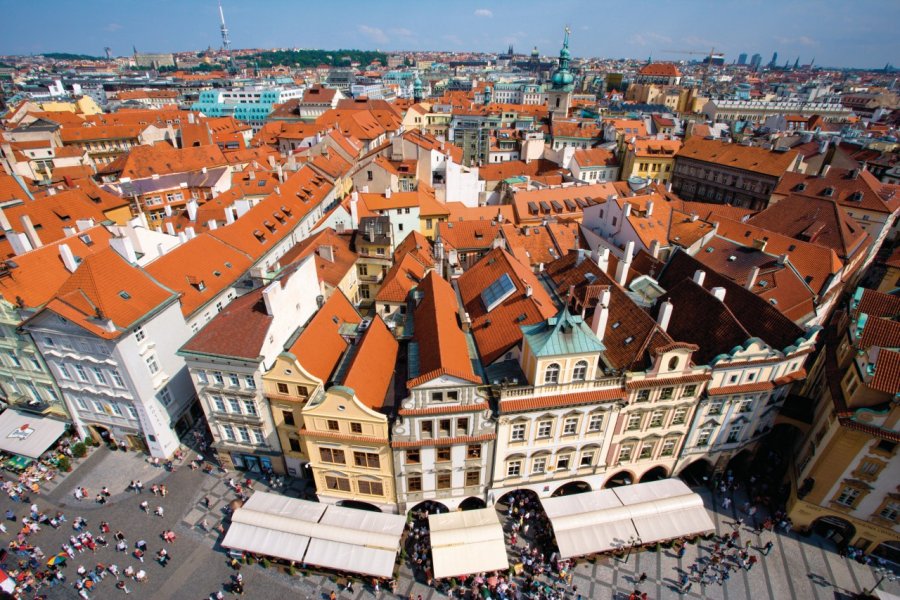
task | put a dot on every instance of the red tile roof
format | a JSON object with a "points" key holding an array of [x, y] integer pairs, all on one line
{"points": [[737, 156], [660, 70], [320, 346], [330, 270], [462, 439], [372, 368], [238, 331], [887, 372], [560, 400]]}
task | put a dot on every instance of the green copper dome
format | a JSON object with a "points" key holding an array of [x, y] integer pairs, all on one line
{"points": [[563, 78]]}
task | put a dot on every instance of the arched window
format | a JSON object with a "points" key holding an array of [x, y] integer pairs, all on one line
{"points": [[557, 102], [551, 375], [580, 373], [673, 363]]}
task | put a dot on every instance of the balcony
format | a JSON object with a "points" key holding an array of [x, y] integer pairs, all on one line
{"points": [[560, 388], [276, 397]]}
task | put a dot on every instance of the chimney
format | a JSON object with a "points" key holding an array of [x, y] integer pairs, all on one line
{"points": [[601, 315], [668, 186], [719, 293], [626, 211], [751, 279], [170, 229], [694, 217], [603, 259], [327, 252], [782, 258], [229, 216], [192, 209], [824, 171], [189, 231], [30, 231], [211, 224], [251, 176], [4, 221], [19, 242], [624, 265], [83, 224], [649, 208], [654, 248], [125, 248], [387, 192], [68, 258], [191, 118], [665, 315], [168, 210], [699, 277], [354, 210], [68, 231], [528, 291], [280, 171]]}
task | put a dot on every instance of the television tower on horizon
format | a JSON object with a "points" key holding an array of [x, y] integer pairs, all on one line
{"points": [[226, 43]]}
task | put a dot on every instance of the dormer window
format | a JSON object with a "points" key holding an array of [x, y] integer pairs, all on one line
{"points": [[829, 191]]}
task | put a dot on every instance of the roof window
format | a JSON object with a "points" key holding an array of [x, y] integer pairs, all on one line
{"points": [[124, 295], [497, 292]]}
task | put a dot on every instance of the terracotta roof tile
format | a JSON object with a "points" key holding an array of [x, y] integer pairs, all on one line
{"points": [[330, 269], [468, 235], [887, 372], [560, 400], [660, 70], [595, 157], [878, 304], [737, 156], [462, 439], [320, 346], [445, 410], [372, 368]]}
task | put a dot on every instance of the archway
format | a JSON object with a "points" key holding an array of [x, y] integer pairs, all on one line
{"points": [[697, 473], [472, 503], [428, 507], [505, 498], [739, 464], [573, 487], [654, 474], [619, 479], [359, 505], [838, 530]]}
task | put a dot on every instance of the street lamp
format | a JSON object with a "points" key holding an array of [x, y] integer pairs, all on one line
{"points": [[882, 573], [632, 542]]}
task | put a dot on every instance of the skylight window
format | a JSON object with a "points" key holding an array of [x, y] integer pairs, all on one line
{"points": [[497, 292], [125, 295]]}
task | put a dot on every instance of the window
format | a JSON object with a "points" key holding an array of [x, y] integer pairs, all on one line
{"points": [[414, 483], [689, 391], [219, 379], [517, 433], [595, 423], [666, 393], [132, 412], [250, 382], [890, 511], [340, 484], [250, 407], [117, 379], [539, 465], [444, 426], [551, 374], [580, 372], [886, 447], [679, 416], [428, 428], [634, 422], [334, 456], [435, 396], [413, 457], [370, 488], [288, 417], [366, 460], [35, 363], [715, 407], [646, 450], [82, 374], [587, 458], [544, 428], [165, 396], [562, 462], [63, 371], [570, 426], [139, 334], [513, 468], [234, 405], [745, 406], [201, 377], [152, 364], [233, 379], [703, 436], [734, 434], [848, 496], [258, 436], [643, 396], [443, 454], [444, 480], [244, 432], [656, 418], [473, 477], [294, 445], [668, 448], [302, 391], [625, 453], [228, 432], [282, 388], [332, 425], [356, 427]]}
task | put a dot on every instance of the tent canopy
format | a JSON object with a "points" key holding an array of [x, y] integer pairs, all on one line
{"points": [[466, 542], [609, 519], [28, 435], [324, 535]]}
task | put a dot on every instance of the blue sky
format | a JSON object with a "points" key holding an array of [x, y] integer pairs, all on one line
{"points": [[836, 32]]}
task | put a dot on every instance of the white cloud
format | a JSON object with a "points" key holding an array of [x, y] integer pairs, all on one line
{"points": [[401, 31], [700, 42], [373, 33], [483, 12], [113, 27], [649, 38]]}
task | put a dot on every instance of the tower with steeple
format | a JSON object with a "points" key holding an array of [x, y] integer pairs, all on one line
{"points": [[418, 89], [562, 83]]}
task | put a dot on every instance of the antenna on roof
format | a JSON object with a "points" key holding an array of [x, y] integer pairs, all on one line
{"points": [[226, 43]]}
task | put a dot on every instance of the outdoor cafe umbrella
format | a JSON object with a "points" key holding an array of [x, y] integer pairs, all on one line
{"points": [[58, 559]]}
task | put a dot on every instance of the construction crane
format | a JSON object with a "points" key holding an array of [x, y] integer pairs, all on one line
{"points": [[709, 59], [108, 51]]}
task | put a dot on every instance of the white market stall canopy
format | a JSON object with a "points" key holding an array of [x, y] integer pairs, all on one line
{"points": [[466, 542], [607, 519], [324, 535], [28, 435]]}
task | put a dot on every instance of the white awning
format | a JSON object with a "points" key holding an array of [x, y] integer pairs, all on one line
{"points": [[28, 435], [324, 535], [466, 542], [614, 518]]}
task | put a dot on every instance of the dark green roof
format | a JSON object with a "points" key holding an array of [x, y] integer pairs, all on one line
{"points": [[560, 335]]}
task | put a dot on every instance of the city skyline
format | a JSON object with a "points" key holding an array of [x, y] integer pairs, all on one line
{"points": [[844, 36]]}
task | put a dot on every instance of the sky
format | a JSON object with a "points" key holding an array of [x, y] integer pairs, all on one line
{"points": [[838, 33]]}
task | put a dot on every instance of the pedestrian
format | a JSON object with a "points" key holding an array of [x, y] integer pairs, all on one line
{"points": [[681, 551], [642, 578], [145, 506], [726, 502], [204, 524], [768, 548], [121, 585], [159, 511], [206, 501]]}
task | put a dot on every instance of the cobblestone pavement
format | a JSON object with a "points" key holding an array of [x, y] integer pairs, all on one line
{"points": [[798, 567]]}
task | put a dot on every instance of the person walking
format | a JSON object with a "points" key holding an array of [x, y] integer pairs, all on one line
{"points": [[642, 578], [768, 548]]}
